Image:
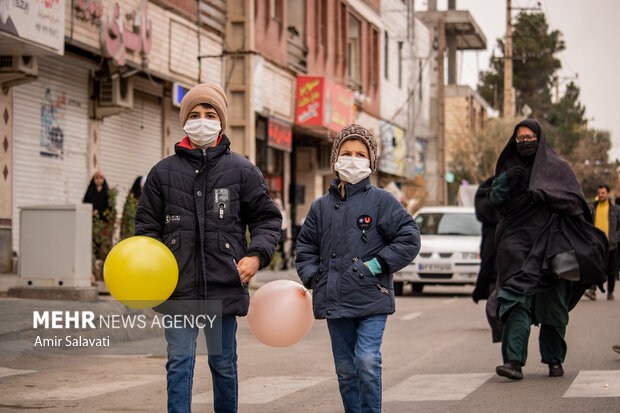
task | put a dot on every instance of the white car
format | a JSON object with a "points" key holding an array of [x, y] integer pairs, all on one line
{"points": [[449, 252]]}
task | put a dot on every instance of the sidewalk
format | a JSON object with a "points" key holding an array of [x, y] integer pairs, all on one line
{"points": [[16, 314]]}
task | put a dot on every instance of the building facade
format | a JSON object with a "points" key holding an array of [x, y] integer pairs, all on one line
{"points": [[97, 90]]}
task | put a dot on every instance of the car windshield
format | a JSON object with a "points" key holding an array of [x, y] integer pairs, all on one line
{"points": [[438, 223]]}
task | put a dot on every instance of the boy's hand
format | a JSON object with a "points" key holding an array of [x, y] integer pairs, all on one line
{"points": [[247, 268]]}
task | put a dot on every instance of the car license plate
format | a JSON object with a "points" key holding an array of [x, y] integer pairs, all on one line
{"points": [[434, 267]]}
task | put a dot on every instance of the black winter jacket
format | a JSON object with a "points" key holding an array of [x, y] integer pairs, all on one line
{"points": [[331, 251], [198, 203]]}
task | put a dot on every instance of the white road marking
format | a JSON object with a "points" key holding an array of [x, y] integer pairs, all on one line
{"points": [[426, 387], [93, 388], [262, 389], [595, 383], [7, 372], [410, 316]]}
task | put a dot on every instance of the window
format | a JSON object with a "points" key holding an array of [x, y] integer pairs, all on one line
{"points": [[400, 64], [376, 60], [386, 54], [276, 10], [353, 50]]}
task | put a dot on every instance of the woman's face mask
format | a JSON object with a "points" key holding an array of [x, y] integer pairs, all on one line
{"points": [[202, 132], [527, 148], [351, 169]]}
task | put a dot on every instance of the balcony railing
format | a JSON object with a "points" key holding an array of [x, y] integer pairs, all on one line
{"points": [[297, 55]]}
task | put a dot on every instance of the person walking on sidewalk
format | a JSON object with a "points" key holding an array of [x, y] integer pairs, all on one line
{"points": [[352, 241], [544, 231], [198, 202], [607, 218]]}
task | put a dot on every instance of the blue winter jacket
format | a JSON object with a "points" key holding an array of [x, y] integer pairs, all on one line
{"points": [[339, 235]]}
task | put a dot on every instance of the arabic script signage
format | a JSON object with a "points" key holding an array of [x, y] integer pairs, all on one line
{"points": [[321, 102], [279, 135], [131, 31], [39, 21]]}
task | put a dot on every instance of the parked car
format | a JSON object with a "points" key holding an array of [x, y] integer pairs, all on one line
{"points": [[449, 252]]}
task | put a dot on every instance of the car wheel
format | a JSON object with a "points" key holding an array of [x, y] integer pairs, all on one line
{"points": [[417, 287], [398, 288]]}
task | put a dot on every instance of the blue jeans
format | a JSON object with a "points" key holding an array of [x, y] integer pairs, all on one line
{"points": [[356, 344], [180, 368]]}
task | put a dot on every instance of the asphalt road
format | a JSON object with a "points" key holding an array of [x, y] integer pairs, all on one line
{"points": [[437, 357]]}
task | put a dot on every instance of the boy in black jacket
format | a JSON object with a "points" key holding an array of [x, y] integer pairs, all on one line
{"points": [[199, 203]]}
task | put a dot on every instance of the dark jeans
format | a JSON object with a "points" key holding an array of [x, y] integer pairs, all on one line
{"points": [[180, 368]]}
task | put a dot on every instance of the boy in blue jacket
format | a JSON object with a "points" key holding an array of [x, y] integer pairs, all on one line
{"points": [[352, 241]]}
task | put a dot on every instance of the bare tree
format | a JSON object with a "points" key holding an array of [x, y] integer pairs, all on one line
{"points": [[473, 157]]}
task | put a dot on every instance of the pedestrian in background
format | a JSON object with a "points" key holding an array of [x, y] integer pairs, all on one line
{"points": [[486, 281], [352, 241], [97, 195], [607, 218], [128, 219], [199, 202], [548, 251]]}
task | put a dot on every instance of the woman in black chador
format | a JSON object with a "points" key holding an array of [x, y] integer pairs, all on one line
{"points": [[548, 251], [97, 194]]}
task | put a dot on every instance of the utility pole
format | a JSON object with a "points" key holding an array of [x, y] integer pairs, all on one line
{"points": [[441, 103], [509, 91]]}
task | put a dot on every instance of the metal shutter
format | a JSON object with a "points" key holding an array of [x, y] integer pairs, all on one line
{"points": [[43, 180], [131, 144]]}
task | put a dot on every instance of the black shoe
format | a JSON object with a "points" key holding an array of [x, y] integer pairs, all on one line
{"points": [[610, 296], [512, 370], [556, 370]]}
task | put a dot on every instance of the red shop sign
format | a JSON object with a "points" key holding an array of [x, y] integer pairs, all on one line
{"points": [[279, 135], [321, 102]]}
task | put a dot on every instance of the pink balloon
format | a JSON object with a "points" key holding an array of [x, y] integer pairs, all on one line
{"points": [[280, 313]]}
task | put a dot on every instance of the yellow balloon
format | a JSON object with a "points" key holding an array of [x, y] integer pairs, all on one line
{"points": [[140, 272]]}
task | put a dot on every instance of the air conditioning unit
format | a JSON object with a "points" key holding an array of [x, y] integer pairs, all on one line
{"points": [[114, 95], [17, 69]]}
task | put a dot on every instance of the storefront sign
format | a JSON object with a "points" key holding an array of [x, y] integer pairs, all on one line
{"points": [[321, 102], [280, 135], [274, 183], [127, 31], [178, 92], [39, 21], [393, 150]]}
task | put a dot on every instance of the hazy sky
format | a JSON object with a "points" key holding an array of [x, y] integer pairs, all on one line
{"points": [[591, 31]]}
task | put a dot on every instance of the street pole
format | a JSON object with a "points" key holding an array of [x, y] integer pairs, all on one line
{"points": [[509, 91], [441, 103]]}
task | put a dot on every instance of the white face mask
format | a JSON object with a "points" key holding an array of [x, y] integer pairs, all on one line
{"points": [[202, 132], [352, 170]]}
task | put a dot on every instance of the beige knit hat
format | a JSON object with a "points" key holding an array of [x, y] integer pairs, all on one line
{"points": [[208, 93], [354, 131]]}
